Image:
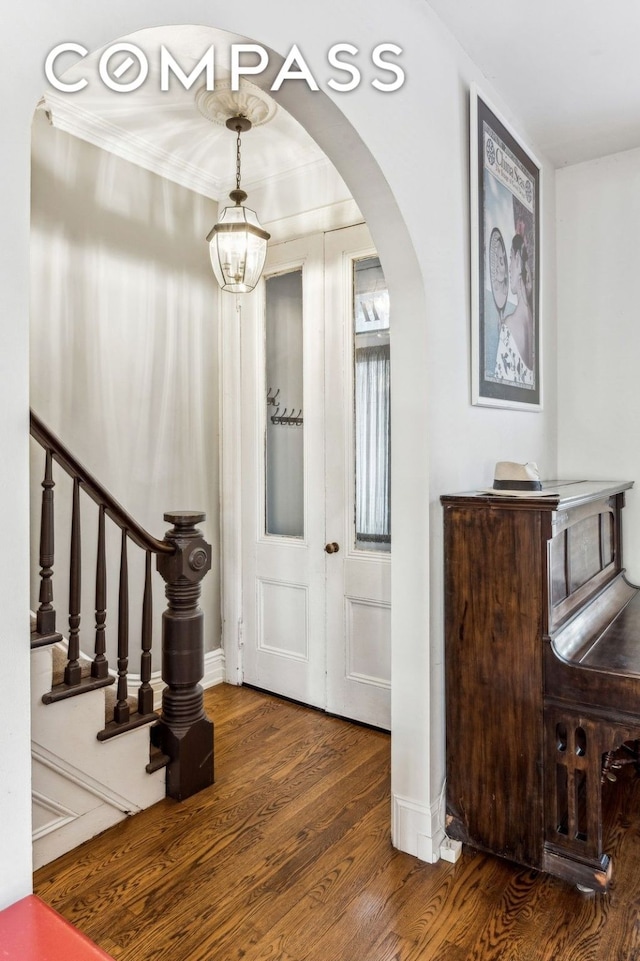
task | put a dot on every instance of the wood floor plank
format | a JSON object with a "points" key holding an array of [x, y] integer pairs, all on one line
{"points": [[287, 857], [329, 884], [235, 816], [272, 865], [415, 910]]}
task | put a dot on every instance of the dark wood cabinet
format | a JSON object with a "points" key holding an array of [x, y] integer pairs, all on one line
{"points": [[542, 636]]}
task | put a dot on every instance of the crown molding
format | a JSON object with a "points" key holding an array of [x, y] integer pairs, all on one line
{"points": [[66, 115]]}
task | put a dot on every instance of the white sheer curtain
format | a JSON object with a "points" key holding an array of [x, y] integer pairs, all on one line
{"points": [[123, 352], [373, 462]]}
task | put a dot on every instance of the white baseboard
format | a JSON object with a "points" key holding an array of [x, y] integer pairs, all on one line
{"points": [[417, 829], [214, 668]]}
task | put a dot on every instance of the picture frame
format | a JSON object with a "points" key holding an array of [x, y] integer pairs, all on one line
{"points": [[505, 197]]}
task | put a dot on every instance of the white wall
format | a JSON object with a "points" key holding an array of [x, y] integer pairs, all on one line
{"points": [[123, 359], [415, 200], [426, 262], [599, 338], [466, 441]]}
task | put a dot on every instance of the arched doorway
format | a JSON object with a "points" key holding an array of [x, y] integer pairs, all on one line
{"points": [[332, 131], [120, 290]]}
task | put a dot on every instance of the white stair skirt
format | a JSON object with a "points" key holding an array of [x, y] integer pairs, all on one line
{"points": [[80, 785]]}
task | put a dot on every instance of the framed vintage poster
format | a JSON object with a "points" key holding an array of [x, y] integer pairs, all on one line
{"points": [[505, 264]]}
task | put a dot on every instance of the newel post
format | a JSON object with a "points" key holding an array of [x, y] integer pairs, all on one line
{"points": [[184, 731]]}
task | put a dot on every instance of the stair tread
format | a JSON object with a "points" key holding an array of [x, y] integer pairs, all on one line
{"points": [[60, 662], [157, 759], [59, 688], [113, 728]]}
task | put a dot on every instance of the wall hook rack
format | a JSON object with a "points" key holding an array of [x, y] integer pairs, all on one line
{"points": [[290, 419]]}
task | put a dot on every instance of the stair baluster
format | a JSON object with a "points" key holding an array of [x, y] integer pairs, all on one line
{"points": [[73, 671], [121, 711], [145, 692], [100, 666], [46, 615]]}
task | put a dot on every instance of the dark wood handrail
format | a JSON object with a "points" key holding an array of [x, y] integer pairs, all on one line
{"points": [[47, 439]]}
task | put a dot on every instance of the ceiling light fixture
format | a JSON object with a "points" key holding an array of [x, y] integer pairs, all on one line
{"points": [[238, 242]]}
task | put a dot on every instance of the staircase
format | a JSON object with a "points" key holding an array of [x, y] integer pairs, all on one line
{"points": [[100, 750]]}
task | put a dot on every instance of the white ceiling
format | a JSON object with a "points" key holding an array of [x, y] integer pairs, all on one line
{"points": [[165, 131], [568, 69]]}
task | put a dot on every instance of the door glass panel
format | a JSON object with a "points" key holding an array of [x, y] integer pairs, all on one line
{"points": [[284, 433], [372, 406]]}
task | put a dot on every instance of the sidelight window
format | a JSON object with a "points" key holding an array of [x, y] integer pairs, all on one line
{"points": [[372, 406]]}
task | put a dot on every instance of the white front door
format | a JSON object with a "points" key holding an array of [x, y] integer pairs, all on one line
{"points": [[315, 591]]}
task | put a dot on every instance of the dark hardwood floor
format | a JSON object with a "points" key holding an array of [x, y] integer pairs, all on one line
{"points": [[287, 857]]}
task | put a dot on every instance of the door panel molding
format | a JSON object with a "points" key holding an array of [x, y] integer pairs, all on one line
{"points": [[296, 624], [371, 632]]}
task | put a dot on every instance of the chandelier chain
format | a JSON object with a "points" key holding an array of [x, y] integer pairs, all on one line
{"points": [[238, 161]]}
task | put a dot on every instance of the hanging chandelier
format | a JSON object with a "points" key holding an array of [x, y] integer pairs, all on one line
{"points": [[238, 243]]}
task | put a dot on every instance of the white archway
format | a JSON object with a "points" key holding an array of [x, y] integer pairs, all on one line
{"points": [[366, 124], [338, 138]]}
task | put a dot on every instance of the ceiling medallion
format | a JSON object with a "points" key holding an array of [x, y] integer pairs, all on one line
{"points": [[223, 102]]}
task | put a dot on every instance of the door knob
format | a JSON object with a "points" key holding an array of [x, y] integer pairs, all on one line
{"points": [[332, 548]]}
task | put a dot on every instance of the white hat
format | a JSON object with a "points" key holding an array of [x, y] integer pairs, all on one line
{"points": [[516, 480], [509, 476]]}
